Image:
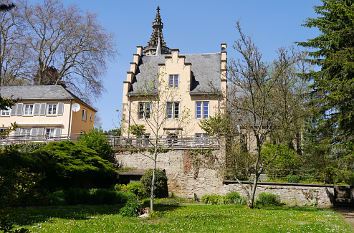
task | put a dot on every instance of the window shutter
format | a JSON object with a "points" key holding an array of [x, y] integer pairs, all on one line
{"points": [[34, 131], [13, 110], [42, 110], [19, 110], [60, 108], [36, 109], [17, 132], [58, 132], [40, 132]]}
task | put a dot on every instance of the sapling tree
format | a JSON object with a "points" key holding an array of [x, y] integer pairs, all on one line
{"points": [[155, 98]]}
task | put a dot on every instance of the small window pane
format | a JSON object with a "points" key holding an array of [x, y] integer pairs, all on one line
{"points": [[205, 109], [147, 110], [176, 109], [199, 110], [169, 110], [176, 80], [171, 81]]}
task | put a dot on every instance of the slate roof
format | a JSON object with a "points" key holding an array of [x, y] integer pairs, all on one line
{"points": [[40, 92], [205, 73]]}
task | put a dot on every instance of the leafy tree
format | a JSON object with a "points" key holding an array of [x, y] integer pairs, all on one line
{"points": [[137, 130], [97, 141]]}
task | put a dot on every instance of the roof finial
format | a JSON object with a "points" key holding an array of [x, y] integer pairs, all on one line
{"points": [[156, 39]]}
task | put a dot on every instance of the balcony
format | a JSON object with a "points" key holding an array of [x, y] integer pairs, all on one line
{"points": [[165, 141]]}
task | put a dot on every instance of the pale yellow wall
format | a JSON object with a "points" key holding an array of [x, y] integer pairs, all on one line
{"points": [[173, 66], [79, 125], [40, 121]]}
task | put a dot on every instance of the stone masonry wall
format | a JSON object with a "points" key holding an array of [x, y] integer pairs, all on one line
{"points": [[190, 174], [187, 173], [292, 194]]}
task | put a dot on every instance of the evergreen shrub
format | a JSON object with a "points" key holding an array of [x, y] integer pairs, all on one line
{"points": [[160, 187], [268, 199]]}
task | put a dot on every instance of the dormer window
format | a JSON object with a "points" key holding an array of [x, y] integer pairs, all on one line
{"points": [[173, 81]]}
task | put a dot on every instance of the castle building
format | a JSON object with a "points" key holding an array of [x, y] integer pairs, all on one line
{"points": [[170, 93]]}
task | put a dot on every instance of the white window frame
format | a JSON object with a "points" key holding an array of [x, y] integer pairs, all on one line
{"points": [[204, 105], [25, 108], [5, 112], [84, 115], [143, 109], [173, 81], [25, 132], [171, 112], [50, 108], [49, 132]]}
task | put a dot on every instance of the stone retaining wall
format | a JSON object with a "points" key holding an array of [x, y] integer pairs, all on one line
{"points": [[292, 194], [190, 174]]}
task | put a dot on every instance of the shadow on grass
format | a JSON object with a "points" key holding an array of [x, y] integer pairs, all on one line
{"points": [[32, 215]]}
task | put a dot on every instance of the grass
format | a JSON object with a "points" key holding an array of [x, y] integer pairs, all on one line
{"points": [[182, 218]]}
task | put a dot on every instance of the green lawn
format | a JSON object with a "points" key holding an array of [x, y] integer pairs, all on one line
{"points": [[184, 218]]}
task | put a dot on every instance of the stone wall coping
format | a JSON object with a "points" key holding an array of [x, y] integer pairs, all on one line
{"points": [[279, 184]]}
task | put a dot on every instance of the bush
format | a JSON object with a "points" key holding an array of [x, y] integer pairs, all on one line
{"points": [[268, 199], [235, 198], [96, 196], [58, 198], [212, 199], [293, 178], [71, 165], [19, 184], [131, 209], [25, 147], [135, 187], [104, 196], [76, 196], [97, 141], [160, 187]]}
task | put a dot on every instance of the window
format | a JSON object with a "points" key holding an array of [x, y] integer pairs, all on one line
{"points": [[5, 112], [52, 109], [26, 132], [144, 110], [49, 132], [84, 115], [91, 116], [202, 110], [172, 109], [173, 82], [201, 139], [28, 110], [172, 139]]}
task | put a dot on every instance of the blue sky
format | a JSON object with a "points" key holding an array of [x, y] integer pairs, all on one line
{"points": [[192, 26]]}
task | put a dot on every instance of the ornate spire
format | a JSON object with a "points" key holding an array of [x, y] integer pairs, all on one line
{"points": [[156, 40]]}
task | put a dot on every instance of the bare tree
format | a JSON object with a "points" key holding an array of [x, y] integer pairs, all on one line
{"points": [[70, 41], [14, 55], [265, 101]]}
